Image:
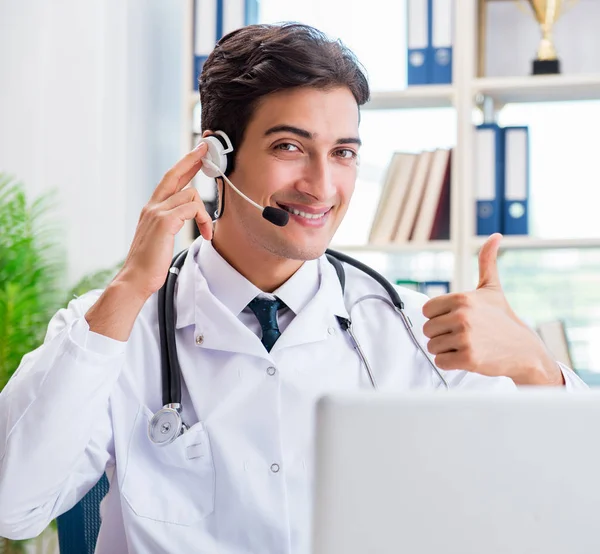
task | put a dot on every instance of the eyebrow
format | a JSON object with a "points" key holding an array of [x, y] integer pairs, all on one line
{"points": [[307, 134]]}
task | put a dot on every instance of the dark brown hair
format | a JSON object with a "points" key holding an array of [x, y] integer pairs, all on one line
{"points": [[257, 60]]}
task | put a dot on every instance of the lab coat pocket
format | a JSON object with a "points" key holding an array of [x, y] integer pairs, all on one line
{"points": [[174, 483]]}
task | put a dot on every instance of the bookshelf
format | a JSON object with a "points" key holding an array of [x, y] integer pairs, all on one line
{"points": [[533, 243], [430, 246], [466, 95], [430, 96], [541, 88]]}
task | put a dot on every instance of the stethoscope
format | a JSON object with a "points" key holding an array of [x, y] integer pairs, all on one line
{"points": [[167, 424]]}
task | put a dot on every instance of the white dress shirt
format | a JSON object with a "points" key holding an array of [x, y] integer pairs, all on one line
{"points": [[239, 480]]}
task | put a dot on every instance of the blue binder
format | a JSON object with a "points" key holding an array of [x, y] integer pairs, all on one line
{"points": [[442, 38], [418, 23], [434, 288], [489, 178], [207, 31], [515, 207], [213, 19]]}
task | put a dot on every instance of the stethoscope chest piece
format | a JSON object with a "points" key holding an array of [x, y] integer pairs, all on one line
{"points": [[165, 426]]}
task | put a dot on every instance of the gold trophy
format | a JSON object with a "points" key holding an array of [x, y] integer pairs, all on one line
{"points": [[547, 13]]}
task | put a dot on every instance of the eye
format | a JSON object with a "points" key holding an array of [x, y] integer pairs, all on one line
{"points": [[346, 153], [286, 147]]}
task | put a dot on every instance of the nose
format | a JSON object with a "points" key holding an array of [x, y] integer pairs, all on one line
{"points": [[318, 179]]}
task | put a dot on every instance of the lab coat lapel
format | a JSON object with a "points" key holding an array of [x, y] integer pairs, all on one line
{"points": [[216, 327], [222, 330], [312, 324]]}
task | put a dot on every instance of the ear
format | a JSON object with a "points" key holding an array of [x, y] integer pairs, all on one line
{"points": [[207, 133]]}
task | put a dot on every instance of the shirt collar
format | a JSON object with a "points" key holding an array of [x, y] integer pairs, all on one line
{"points": [[228, 286], [232, 289]]}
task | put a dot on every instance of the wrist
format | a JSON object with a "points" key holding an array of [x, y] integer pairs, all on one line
{"points": [[114, 313], [128, 285], [544, 371]]}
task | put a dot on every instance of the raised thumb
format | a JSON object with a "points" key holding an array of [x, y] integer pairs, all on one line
{"points": [[488, 267]]}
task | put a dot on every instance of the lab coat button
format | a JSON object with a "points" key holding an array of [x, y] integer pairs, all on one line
{"points": [[275, 468], [199, 339], [271, 370], [331, 331]]}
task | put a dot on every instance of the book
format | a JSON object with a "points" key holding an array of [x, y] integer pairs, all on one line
{"points": [[419, 51], [515, 202], [489, 178], [429, 288], [435, 200], [206, 34], [409, 284], [442, 39], [554, 335], [410, 209], [375, 235], [434, 288], [400, 174]]}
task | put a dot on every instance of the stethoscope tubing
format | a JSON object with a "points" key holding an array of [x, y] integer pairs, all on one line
{"points": [[166, 425]]}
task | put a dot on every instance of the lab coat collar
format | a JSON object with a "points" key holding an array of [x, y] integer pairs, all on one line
{"points": [[216, 318]]}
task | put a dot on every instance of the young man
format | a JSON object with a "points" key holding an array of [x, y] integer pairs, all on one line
{"points": [[239, 479]]}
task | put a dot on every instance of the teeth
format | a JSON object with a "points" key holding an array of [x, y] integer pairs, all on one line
{"points": [[304, 214]]}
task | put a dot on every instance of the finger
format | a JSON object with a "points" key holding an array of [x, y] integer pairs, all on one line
{"points": [[488, 266], [189, 194], [195, 210], [450, 360], [450, 342], [180, 174], [441, 325], [203, 219], [446, 303]]}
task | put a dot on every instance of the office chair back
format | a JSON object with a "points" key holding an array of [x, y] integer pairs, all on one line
{"points": [[78, 528]]}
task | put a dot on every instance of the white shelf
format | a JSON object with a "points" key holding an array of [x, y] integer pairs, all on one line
{"points": [[538, 88], [429, 96], [412, 247], [533, 243]]}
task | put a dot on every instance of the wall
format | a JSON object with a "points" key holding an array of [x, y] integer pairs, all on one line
{"points": [[91, 104]]}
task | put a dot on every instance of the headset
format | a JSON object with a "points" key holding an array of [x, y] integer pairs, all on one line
{"points": [[167, 424], [214, 165]]}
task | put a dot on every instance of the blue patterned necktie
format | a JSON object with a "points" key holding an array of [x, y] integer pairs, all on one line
{"points": [[265, 311]]}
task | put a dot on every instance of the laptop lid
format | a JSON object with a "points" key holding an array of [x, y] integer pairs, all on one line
{"points": [[465, 473]]}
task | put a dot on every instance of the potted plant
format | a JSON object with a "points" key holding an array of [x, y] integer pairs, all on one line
{"points": [[32, 289]]}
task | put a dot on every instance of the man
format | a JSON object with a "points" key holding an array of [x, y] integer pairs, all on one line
{"points": [[239, 479]]}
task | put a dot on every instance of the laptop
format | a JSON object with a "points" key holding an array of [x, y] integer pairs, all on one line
{"points": [[458, 473]]}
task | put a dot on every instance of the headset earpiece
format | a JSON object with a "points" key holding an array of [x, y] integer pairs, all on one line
{"points": [[217, 153]]}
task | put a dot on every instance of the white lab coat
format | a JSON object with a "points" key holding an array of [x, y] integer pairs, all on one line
{"points": [[239, 481]]}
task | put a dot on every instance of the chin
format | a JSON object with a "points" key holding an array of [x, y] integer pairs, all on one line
{"points": [[295, 251]]}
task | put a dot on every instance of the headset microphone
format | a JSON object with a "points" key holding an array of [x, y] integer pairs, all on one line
{"points": [[276, 216], [216, 152]]}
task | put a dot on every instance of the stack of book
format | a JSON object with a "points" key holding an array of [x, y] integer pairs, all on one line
{"points": [[415, 199]]}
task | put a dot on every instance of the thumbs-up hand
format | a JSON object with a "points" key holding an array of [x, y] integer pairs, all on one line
{"points": [[478, 331]]}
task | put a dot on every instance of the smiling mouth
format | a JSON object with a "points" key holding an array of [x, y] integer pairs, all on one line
{"points": [[305, 215]]}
